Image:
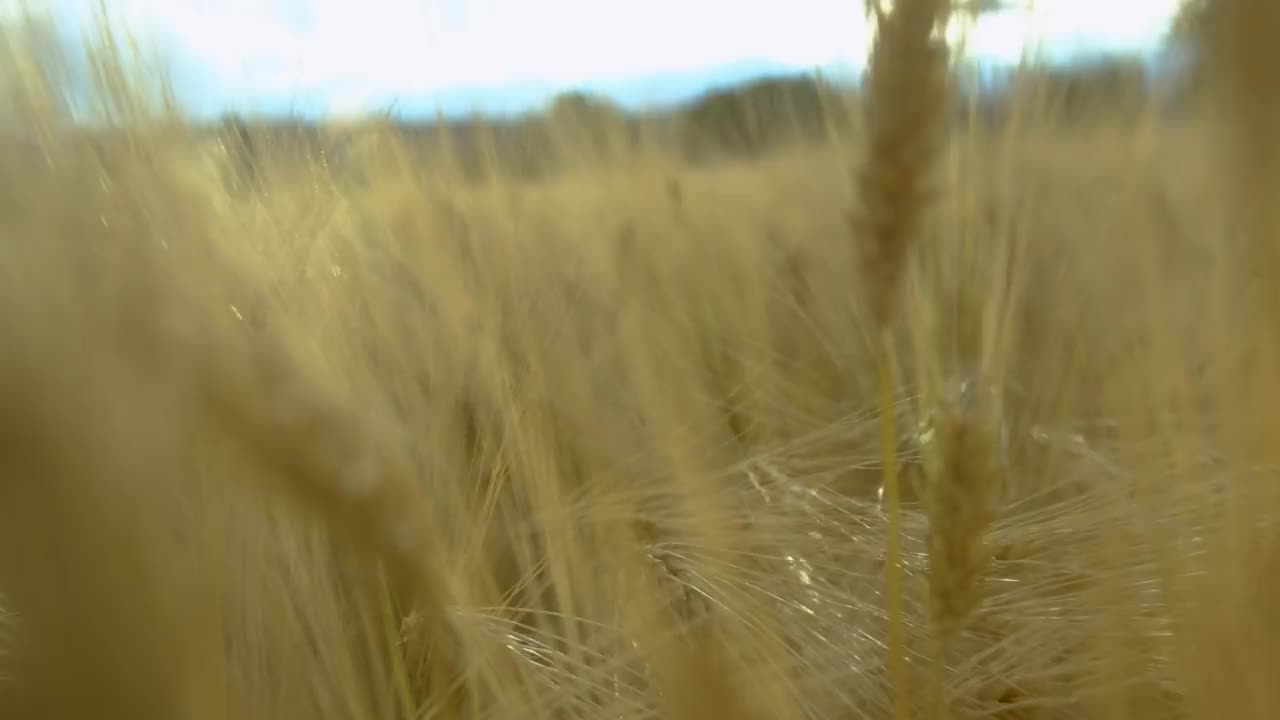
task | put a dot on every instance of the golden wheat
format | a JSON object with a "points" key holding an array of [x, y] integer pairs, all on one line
{"points": [[906, 100], [606, 428], [962, 497]]}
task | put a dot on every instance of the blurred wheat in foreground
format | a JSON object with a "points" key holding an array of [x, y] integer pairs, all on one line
{"points": [[372, 421]]}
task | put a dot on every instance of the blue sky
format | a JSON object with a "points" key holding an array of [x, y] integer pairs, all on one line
{"points": [[337, 57]]}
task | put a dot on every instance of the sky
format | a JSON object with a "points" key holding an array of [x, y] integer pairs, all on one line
{"points": [[341, 57]]}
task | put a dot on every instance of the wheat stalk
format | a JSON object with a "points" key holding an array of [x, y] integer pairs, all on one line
{"points": [[906, 99], [1243, 51]]}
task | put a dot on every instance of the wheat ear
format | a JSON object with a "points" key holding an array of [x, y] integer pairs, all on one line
{"points": [[690, 664], [965, 479], [906, 98], [331, 462]]}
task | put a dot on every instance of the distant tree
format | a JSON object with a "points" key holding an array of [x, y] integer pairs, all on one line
{"points": [[588, 123], [752, 118], [579, 106], [786, 108]]}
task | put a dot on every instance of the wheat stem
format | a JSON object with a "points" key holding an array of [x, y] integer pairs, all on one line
{"points": [[906, 101], [896, 640]]}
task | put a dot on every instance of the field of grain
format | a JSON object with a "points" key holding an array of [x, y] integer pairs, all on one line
{"points": [[938, 415]]}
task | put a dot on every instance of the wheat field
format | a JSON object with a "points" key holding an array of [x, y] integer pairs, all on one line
{"points": [[933, 417]]}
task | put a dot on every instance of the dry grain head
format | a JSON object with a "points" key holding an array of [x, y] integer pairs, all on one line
{"points": [[965, 465], [907, 91]]}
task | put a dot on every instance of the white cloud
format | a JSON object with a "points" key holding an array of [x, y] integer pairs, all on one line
{"points": [[368, 51]]}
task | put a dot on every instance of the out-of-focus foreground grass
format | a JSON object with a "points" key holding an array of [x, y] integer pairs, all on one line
{"points": [[341, 433]]}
